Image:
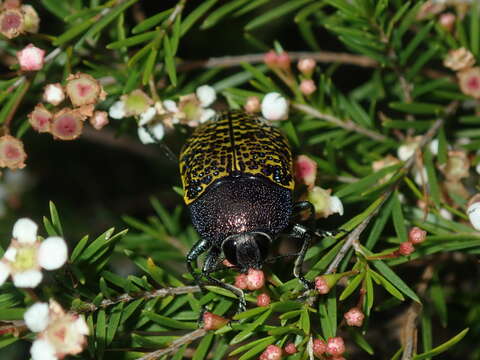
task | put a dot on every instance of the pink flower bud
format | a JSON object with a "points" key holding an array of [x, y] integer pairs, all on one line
{"points": [[241, 281], [99, 119], [252, 105], [40, 118], [307, 87], [255, 279], [335, 346], [447, 21], [290, 349], [263, 300], [319, 347], [306, 170], [272, 352], [67, 124], [212, 321], [31, 58], [354, 317], [12, 153], [11, 23], [53, 94], [283, 61], [322, 285], [417, 235], [270, 59], [306, 66], [83, 89], [406, 248]]}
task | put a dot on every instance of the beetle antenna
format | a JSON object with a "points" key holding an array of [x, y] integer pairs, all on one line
{"points": [[168, 152]]}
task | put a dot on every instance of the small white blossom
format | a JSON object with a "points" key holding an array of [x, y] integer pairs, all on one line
{"points": [[406, 151], [157, 130], [170, 106], [60, 333], [26, 255], [206, 95], [473, 213], [147, 116], [336, 205], [117, 110], [206, 115], [420, 176], [36, 317], [54, 94], [25, 231], [274, 107], [52, 253]]}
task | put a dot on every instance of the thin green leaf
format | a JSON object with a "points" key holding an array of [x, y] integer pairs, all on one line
{"points": [[275, 13], [395, 280], [195, 15], [170, 61], [152, 21], [443, 347]]}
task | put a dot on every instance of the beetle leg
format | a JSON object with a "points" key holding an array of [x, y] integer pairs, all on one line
{"points": [[301, 232], [199, 248]]}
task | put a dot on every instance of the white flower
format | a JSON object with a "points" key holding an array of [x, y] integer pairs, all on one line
{"points": [[157, 130], [406, 151], [434, 146], [54, 94], [117, 110], [170, 106], [420, 176], [36, 317], [274, 107], [206, 95], [336, 205], [473, 213], [147, 116], [206, 115], [325, 204], [60, 333], [26, 255]]}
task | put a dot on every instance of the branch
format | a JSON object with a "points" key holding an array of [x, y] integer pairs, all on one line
{"points": [[186, 339], [322, 57], [348, 124], [90, 307]]}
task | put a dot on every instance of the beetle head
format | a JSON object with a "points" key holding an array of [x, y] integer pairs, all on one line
{"points": [[247, 250]]}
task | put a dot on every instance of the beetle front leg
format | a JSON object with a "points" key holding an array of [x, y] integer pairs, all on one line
{"points": [[301, 232], [198, 249]]}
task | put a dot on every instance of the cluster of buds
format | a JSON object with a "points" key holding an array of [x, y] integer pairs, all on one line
{"points": [[415, 236], [306, 67], [461, 61], [17, 19], [27, 255], [84, 92], [334, 346], [253, 280], [59, 333], [191, 110]]}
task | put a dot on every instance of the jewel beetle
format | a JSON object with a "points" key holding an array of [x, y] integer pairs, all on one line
{"points": [[238, 184]]}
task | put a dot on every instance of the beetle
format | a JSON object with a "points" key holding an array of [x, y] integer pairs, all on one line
{"points": [[238, 184]]}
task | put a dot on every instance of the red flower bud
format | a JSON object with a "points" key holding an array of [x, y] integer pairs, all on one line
{"points": [[319, 347], [283, 61], [406, 248], [322, 285], [290, 348], [272, 352], [252, 105], [335, 346], [417, 235], [212, 321], [263, 300], [354, 317], [255, 279], [307, 87], [306, 66], [270, 58], [241, 281]]}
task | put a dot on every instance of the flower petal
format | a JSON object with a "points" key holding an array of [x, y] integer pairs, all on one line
{"points": [[25, 231], [42, 350], [336, 205], [4, 272], [52, 253], [27, 279], [36, 317], [10, 254], [81, 326], [206, 95]]}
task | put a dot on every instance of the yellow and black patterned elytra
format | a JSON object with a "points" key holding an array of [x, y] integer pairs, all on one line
{"points": [[234, 143], [237, 179]]}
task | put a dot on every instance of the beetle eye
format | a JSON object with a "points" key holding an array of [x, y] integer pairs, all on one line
{"points": [[230, 250]]}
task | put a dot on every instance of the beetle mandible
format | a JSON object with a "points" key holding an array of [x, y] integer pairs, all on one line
{"points": [[237, 180]]}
